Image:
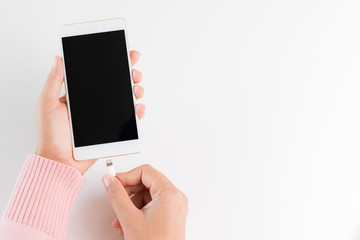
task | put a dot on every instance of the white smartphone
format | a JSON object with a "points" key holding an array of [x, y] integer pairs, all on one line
{"points": [[99, 89]]}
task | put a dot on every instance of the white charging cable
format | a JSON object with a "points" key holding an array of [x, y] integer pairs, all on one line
{"points": [[110, 167]]}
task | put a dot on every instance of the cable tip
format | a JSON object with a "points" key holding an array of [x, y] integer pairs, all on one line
{"points": [[110, 167], [109, 163]]}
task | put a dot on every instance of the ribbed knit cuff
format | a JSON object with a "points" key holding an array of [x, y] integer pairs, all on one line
{"points": [[44, 195]]}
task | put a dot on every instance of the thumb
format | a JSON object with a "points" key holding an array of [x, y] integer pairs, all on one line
{"points": [[120, 201], [54, 82]]}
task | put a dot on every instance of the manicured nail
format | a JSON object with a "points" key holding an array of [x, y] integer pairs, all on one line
{"points": [[106, 181]]}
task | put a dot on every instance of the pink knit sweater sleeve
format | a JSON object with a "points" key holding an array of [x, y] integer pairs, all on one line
{"points": [[41, 202]]}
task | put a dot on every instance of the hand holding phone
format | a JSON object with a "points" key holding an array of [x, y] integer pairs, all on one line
{"points": [[52, 118]]}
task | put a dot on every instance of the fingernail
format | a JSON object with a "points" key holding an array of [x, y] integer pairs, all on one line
{"points": [[106, 181], [135, 89]]}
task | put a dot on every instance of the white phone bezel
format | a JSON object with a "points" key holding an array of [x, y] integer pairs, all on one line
{"points": [[106, 149]]}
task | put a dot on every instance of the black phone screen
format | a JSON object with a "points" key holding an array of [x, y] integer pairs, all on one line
{"points": [[99, 88]]}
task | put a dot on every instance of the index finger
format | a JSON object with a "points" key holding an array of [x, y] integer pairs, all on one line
{"points": [[152, 179]]}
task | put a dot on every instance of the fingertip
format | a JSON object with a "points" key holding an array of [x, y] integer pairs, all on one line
{"points": [[135, 53], [108, 176], [57, 61], [107, 180], [140, 110], [139, 91], [118, 175], [59, 71], [134, 56], [137, 76]]}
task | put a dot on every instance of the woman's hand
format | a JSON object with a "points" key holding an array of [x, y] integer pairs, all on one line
{"points": [[53, 125], [147, 205]]}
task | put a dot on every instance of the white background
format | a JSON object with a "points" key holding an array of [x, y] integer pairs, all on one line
{"points": [[253, 110]]}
